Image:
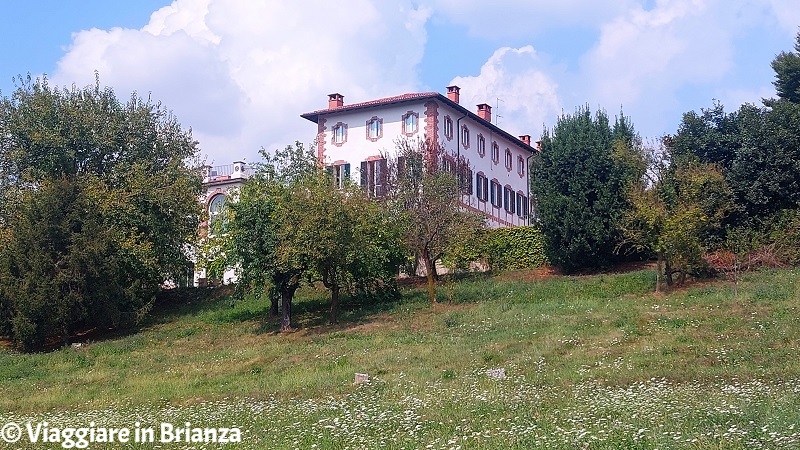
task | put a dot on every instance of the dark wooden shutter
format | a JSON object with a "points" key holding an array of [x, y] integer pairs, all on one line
{"points": [[363, 182], [401, 166], [383, 177]]}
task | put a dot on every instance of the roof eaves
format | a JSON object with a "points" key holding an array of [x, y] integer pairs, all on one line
{"points": [[314, 115]]}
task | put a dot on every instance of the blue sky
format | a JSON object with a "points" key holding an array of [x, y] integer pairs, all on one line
{"points": [[240, 73]]}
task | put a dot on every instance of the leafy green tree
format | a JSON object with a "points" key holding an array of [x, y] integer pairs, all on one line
{"points": [[347, 239], [674, 211], [292, 223], [260, 222], [578, 181], [427, 202], [757, 149], [787, 73], [709, 137], [765, 175], [99, 205]]}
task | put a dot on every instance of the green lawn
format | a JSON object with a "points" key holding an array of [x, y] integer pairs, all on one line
{"points": [[590, 362]]}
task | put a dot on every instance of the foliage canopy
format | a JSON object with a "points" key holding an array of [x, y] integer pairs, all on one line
{"points": [[98, 206]]}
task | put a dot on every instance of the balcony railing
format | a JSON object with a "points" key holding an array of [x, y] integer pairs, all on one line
{"points": [[237, 170]]}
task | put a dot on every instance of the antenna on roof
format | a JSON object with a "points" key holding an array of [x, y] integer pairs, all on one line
{"points": [[497, 115]]}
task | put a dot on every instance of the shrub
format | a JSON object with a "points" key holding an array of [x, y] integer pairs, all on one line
{"points": [[516, 248]]}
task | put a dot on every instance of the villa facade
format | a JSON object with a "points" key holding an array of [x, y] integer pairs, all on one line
{"points": [[353, 141]]}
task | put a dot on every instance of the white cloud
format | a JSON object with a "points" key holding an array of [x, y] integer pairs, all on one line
{"points": [[645, 53], [241, 73], [522, 18], [646, 59], [787, 13], [519, 79]]}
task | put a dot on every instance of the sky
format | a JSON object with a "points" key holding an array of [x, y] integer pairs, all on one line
{"points": [[240, 73]]}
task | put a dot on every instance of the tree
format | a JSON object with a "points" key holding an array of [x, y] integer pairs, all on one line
{"points": [[674, 209], [292, 222], [755, 147], [98, 207], [259, 225], [347, 239], [426, 200], [578, 182], [787, 73]]}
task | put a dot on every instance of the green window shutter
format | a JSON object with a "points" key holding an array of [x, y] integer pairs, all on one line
{"points": [[347, 171], [363, 182], [401, 166], [384, 177]]}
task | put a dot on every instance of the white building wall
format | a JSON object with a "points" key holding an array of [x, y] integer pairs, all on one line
{"points": [[358, 147], [225, 183], [483, 163]]}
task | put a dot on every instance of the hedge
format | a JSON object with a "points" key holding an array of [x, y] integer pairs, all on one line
{"points": [[515, 248]]}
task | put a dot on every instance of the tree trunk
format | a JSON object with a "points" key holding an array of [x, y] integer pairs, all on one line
{"points": [[668, 272], [287, 293], [433, 270], [273, 306], [430, 272], [335, 303], [659, 269]]}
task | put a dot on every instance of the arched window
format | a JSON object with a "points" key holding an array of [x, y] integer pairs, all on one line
{"points": [[216, 218]]}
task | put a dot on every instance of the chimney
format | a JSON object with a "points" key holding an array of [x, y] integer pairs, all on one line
{"points": [[453, 93], [526, 139], [485, 112], [539, 145], [335, 101]]}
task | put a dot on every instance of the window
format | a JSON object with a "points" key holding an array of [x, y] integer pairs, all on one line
{"points": [[216, 218], [409, 167], [509, 160], [464, 136], [448, 165], [410, 120], [448, 128], [340, 172], [481, 187], [339, 134], [374, 176], [374, 129], [481, 146], [522, 205], [495, 153], [497, 194], [521, 166], [465, 180], [508, 199]]}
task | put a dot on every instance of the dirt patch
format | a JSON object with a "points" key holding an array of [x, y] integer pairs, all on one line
{"points": [[541, 273]]}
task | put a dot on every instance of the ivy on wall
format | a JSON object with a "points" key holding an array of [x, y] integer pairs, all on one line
{"points": [[515, 248]]}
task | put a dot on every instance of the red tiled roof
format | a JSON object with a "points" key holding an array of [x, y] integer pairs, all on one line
{"points": [[380, 101], [314, 115]]}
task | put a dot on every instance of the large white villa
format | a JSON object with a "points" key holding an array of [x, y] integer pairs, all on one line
{"points": [[352, 139]]}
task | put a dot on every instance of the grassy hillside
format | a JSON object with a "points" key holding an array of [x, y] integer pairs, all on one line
{"points": [[590, 362]]}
